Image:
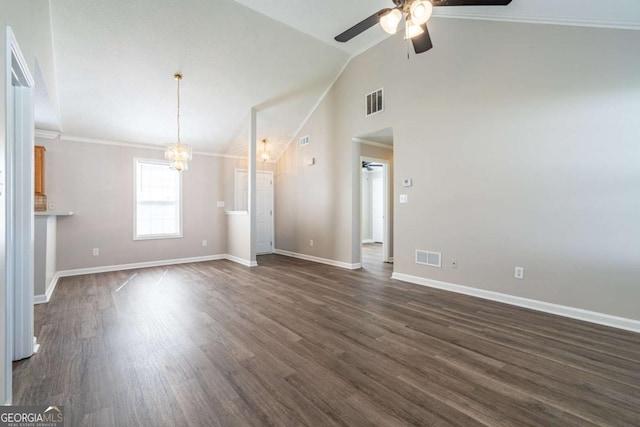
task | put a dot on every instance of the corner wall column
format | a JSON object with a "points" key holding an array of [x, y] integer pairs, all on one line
{"points": [[252, 185]]}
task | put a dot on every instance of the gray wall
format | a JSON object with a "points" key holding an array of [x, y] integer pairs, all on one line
{"points": [[96, 183], [522, 142]]}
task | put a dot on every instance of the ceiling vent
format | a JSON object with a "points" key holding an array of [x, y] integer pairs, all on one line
{"points": [[374, 102], [304, 140], [432, 259]]}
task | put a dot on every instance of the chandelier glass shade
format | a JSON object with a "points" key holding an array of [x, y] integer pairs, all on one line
{"points": [[177, 153], [265, 156]]}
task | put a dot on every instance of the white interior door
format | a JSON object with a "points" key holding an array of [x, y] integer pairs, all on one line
{"points": [[264, 206], [377, 208]]}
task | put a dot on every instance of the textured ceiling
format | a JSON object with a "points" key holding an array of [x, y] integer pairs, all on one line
{"points": [[115, 61]]}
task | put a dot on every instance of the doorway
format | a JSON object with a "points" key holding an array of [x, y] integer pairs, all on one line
{"points": [[264, 206], [372, 178], [375, 225]]}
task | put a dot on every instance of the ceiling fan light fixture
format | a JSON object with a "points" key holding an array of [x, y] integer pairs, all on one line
{"points": [[390, 20], [412, 30], [420, 11]]}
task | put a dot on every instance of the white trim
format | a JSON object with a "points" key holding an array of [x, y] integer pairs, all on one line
{"points": [[141, 146], [136, 265], [43, 299], [365, 241], [242, 261], [46, 134], [547, 307], [373, 144], [319, 260], [40, 299], [622, 25]]}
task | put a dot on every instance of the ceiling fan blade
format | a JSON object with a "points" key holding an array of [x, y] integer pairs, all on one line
{"points": [[470, 2], [422, 42], [360, 27]]}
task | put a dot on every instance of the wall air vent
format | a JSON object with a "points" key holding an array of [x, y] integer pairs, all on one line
{"points": [[374, 102], [304, 140], [432, 259]]}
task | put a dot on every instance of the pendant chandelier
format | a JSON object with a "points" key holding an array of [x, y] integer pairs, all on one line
{"points": [[178, 153], [265, 156]]}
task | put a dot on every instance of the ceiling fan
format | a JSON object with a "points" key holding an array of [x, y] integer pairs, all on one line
{"points": [[370, 165], [417, 13]]}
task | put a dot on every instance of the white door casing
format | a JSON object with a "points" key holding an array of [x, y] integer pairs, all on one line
{"points": [[16, 218]]}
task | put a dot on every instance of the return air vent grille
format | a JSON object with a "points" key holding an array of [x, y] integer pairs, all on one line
{"points": [[374, 102], [304, 140], [432, 259]]}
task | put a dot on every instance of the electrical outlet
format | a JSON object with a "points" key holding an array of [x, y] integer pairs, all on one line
{"points": [[96, 251], [220, 204], [204, 243], [52, 206], [310, 242], [454, 263], [519, 273], [404, 198]]}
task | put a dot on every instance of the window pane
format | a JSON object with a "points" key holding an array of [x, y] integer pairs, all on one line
{"points": [[157, 200]]}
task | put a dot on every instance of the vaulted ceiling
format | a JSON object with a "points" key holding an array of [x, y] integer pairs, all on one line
{"points": [[115, 61]]}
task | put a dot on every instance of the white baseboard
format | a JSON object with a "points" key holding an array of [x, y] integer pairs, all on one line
{"points": [[136, 265], [319, 260], [43, 299], [365, 241], [547, 307], [242, 261]]}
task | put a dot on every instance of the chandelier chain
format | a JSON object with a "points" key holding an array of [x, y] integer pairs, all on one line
{"points": [[178, 78]]}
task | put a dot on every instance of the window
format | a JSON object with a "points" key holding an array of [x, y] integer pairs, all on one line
{"points": [[157, 204]]}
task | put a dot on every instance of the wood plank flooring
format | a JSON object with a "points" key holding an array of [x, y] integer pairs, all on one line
{"points": [[296, 343]]}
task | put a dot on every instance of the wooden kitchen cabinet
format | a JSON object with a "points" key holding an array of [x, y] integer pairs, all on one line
{"points": [[39, 169]]}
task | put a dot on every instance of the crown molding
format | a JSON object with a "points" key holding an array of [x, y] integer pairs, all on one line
{"points": [[592, 23], [139, 146], [46, 134]]}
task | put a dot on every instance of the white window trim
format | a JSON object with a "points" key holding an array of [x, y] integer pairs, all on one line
{"points": [[178, 235]]}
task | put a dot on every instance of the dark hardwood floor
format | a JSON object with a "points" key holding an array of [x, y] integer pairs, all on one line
{"points": [[372, 260], [296, 343]]}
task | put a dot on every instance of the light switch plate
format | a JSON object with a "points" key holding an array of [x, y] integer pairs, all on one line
{"points": [[407, 182]]}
